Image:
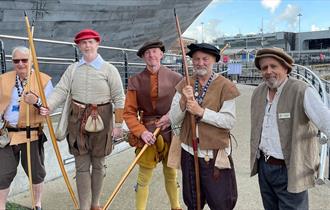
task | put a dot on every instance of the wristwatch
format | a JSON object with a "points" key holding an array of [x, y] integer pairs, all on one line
{"points": [[38, 104]]}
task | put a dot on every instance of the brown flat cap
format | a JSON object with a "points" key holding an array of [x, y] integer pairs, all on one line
{"points": [[149, 45], [277, 53]]}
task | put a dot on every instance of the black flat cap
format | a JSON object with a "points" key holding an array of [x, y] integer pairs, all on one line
{"points": [[149, 45], [277, 53], [204, 47]]}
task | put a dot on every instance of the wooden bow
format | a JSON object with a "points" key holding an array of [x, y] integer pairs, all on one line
{"points": [[48, 120]]}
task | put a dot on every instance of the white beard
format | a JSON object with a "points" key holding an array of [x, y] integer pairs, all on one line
{"points": [[200, 72]]}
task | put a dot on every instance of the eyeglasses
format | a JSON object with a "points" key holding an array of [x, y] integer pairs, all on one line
{"points": [[24, 60]]}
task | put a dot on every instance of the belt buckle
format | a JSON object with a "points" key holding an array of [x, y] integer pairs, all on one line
{"points": [[266, 157]]}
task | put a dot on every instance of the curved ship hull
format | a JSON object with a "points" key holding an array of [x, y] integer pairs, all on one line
{"points": [[124, 23]]}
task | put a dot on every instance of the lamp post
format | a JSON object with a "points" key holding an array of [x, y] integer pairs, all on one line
{"points": [[202, 31], [299, 45]]}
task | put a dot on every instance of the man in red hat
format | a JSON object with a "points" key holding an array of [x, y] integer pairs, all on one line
{"points": [[94, 85], [284, 144], [151, 92], [211, 99]]}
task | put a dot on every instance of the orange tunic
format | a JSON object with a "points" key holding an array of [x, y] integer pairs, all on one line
{"points": [[131, 106]]}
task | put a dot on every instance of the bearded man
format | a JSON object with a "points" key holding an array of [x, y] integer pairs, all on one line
{"points": [[211, 101], [284, 145]]}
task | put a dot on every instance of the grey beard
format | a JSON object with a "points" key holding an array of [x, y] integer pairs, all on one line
{"points": [[273, 83], [200, 72]]}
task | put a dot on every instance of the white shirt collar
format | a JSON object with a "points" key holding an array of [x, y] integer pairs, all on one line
{"points": [[96, 63]]}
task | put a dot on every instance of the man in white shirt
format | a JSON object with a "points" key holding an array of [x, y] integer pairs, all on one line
{"points": [[211, 100], [14, 99], [284, 147]]}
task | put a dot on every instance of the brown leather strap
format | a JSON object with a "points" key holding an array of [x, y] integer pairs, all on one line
{"points": [[86, 105], [271, 160], [216, 171]]}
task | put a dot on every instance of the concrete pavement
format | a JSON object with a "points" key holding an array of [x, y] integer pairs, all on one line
{"points": [[57, 197]]}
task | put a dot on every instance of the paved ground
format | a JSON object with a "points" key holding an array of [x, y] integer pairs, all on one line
{"points": [[57, 197]]}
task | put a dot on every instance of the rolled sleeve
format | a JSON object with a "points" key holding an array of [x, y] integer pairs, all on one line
{"points": [[225, 118], [317, 111], [176, 115]]}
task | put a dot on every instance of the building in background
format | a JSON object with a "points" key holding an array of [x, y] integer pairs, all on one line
{"points": [[305, 47]]}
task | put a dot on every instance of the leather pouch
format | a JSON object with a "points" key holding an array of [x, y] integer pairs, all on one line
{"points": [[4, 137], [94, 121]]}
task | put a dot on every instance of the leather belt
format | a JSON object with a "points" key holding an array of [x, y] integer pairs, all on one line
{"points": [[271, 160], [10, 129], [83, 105], [149, 122]]}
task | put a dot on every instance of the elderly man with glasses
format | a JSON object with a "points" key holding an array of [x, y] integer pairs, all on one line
{"points": [[13, 101]]}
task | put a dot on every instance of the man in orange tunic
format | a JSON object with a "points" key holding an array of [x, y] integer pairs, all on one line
{"points": [[151, 91]]}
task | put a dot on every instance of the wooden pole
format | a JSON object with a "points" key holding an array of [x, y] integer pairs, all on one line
{"points": [[48, 120], [130, 168], [28, 128], [224, 48], [192, 117]]}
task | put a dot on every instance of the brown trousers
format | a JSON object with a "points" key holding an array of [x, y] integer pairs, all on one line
{"points": [[81, 142], [11, 155]]}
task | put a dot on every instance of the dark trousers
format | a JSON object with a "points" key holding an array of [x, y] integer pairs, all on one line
{"points": [[273, 183], [219, 193], [10, 157]]}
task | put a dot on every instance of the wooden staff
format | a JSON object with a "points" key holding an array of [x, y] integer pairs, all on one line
{"points": [[224, 48], [48, 120], [28, 128], [130, 168], [192, 117]]}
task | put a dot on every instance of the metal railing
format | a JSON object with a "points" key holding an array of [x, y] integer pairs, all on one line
{"points": [[302, 72], [125, 59]]}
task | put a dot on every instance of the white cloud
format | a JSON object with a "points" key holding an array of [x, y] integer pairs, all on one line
{"points": [[271, 4], [286, 20], [207, 32], [290, 16], [317, 28]]}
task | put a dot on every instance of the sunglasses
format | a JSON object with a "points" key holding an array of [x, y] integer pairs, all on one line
{"points": [[24, 60]]}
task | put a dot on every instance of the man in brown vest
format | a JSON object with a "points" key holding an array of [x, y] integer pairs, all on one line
{"points": [[211, 100], [284, 147], [13, 108], [151, 92]]}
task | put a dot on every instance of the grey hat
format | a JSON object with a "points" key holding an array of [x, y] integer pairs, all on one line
{"points": [[277, 53], [149, 45]]}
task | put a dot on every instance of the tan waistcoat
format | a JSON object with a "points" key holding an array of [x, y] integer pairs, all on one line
{"points": [[210, 137], [7, 83], [297, 134]]}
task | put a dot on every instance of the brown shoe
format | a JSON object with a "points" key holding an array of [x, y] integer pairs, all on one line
{"points": [[96, 208]]}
